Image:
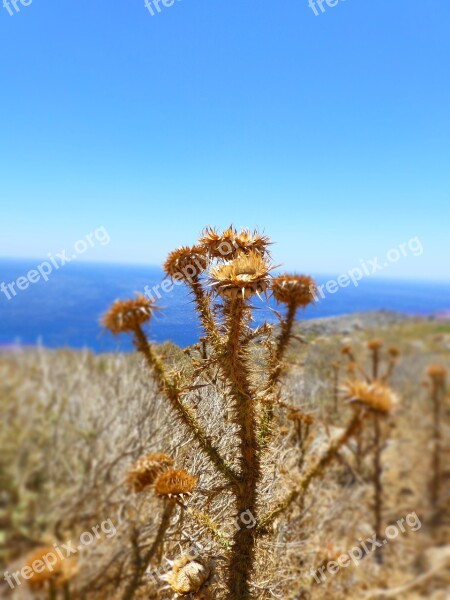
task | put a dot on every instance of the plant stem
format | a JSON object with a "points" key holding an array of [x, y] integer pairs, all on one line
{"points": [[275, 370], [141, 562], [203, 303], [378, 488], [437, 392], [172, 393], [312, 473], [236, 371]]}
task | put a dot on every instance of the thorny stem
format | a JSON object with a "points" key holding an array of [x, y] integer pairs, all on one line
{"points": [[284, 337], [204, 309], [141, 562], [312, 473], [375, 363], [236, 372], [377, 466], [205, 520], [172, 393], [389, 370], [275, 371], [437, 392], [302, 435], [378, 488]]}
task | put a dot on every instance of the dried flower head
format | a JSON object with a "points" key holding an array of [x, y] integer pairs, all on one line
{"points": [[376, 396], [55, 568], [299, 290], [375, 344], [188, 575], [246, 275], [346, 350], [248, 241], [174, 483], [394, 352], [186, 263], [147, 469], [230, 243], [126, 315], [437, 372], [301, 417]]}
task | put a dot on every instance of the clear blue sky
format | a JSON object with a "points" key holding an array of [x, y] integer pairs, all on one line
{"points": [[332, 133]]}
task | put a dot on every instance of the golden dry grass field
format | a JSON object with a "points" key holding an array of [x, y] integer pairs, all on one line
{"points": [[74, 424]]}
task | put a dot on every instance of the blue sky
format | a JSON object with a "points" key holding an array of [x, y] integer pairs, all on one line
{"points": [[331, 133]]}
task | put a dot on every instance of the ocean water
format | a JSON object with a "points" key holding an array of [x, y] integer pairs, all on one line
{"points": [[65, 310]]}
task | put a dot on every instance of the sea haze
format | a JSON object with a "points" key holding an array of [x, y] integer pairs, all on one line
{"points": [[65, 310]]}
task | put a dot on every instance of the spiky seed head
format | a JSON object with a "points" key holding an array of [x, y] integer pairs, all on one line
{"points": [[375, 344], [186, 263], [244, 276], [394, 352], [175, 483], [188, 575], [346, 350], [126, 315], [437, 373], [376, 396], [283, 430], [299, 290], [219, 245], [231, 243], [145, 471], [301, 417], [56, 569], [248, 241]]}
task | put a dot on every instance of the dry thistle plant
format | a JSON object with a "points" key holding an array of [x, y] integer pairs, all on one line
{"points": [[438, 377], [224, 272], [374, 396]]}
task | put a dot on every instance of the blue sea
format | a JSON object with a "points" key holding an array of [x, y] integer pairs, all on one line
{"points": [[65, 310]]}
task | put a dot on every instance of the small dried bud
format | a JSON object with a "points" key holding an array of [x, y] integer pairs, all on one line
{"points": [[437, 373], [375, 396], [175, 483], [375, 344], [297, 290], [186, 263], [394, 352], [126, 315], [188, 575], [147, 469]]}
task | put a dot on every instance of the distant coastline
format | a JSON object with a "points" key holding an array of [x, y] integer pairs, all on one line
{"points": [[65, 310]]}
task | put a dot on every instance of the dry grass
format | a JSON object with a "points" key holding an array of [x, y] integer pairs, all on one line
{"points": [[74, 423], [238, 468]]}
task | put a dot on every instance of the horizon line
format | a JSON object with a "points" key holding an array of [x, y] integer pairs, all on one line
{"points": [[401, 278]]}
